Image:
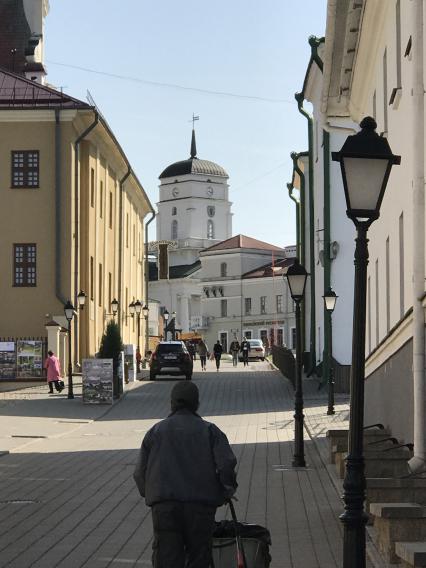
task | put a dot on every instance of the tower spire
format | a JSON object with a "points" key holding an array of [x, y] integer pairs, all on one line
{"points": [[193, 144]]}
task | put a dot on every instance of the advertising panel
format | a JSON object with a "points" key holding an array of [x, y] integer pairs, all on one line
{"points": [[7, 360], [97, 381], [29, 359], [130, 363]]}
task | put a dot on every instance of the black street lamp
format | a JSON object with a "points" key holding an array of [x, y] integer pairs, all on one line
{"points": [[173, 326], [114, 307], [296, 277], [81, 299], [366, 161], [330, 299], [69, 314], [145, 311], [138, 310], [166, 316]]}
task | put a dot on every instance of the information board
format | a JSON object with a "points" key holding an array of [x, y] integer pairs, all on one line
{"points": [[97, 381], [7, 360], [29, 359]]}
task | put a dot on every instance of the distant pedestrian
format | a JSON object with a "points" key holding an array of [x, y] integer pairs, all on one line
{"points": [[234, 349], [191, 350], [245, 349], [53, 369], [203, 353], [217, 352], [185, 470]]}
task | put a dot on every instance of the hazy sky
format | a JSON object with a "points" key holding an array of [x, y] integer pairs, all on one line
{"points": [[250, 48]]}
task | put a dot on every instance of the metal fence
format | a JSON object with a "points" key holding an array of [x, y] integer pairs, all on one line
{"points": [[283, 358], [22, 358]]}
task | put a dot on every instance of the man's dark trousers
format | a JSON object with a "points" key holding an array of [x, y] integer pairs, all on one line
{"points": [[182, 533]]}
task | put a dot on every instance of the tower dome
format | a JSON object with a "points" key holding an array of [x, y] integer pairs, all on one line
{"points": [[193, 166]]}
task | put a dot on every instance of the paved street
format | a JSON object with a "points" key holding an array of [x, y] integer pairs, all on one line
{"points": [[67, 497]]}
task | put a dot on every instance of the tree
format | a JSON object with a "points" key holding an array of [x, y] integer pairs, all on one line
{"points": [[110, 348]]}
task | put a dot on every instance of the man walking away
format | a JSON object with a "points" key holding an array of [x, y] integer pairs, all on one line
{"points": [[202, 352], [234, 350], [245, 348], [185, 470], [217, 352]]}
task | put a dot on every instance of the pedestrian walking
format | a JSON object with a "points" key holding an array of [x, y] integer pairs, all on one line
{"points": [[217, 352], [191, 350], [53, 369], [234, 349], [185, 470], [203, 353], [245, 349]]}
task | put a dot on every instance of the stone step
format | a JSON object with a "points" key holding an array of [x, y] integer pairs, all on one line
{"points": [[391, 489], [377, 464], [395, 522], [338, 440], [411, 554]]}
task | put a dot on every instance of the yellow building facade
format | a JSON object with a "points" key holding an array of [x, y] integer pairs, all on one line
{"points": [[72, 218]]}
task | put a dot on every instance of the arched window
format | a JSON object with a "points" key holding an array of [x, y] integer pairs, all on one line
{"points": [[174, 210], [210, 229], [174, 230], [223, 269]]}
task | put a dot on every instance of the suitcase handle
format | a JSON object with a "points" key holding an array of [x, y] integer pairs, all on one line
{"points": [[241, 558]]}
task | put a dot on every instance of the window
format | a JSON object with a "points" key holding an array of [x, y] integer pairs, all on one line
{"points": [[24, 257], [387, 287], [224, 308], [279, 304], [293, 338], [247, 333], [101, 199], [174, 210], [110, 209], [174, 230], [263, 304], [264, 337], [280, 336], [25, 168], [92, 286], [223, 269], [210, 210], [247, 305], [385, 91], [100, 285], [210, 229], [109, 290], [92, 187], [401, 265]]}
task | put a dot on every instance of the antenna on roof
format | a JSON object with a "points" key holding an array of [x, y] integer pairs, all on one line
{"points": [[193, 145]]}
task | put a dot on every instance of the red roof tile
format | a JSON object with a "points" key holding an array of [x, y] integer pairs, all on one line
{"points": [[244, 242]]}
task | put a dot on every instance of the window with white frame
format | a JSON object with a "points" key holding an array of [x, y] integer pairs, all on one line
{"points": [[224, 308], [174, 210], [263, 304], [247, 306], [280, 336], [174, 230], [210, 229], [223, 269], [279, 304]]}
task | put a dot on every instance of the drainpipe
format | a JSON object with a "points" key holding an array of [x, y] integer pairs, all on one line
{"points": [[327, 262], [77, 225], [290, 188], [120, 246], [147, 278], [58, 208], [299, 98], [417, 463]]}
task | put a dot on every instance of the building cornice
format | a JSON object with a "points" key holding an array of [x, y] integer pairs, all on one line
{"points": [[33, 115]]}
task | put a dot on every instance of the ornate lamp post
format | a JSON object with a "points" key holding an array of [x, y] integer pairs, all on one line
{"points": [[81, 299], [69, 314], [366, 161], [173, 326], [296, 277], [114, 307], [138, 310], [166, 316], [330, 300]]}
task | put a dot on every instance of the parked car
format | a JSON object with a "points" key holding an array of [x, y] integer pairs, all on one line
{"points": [[257, 350], [170, 358]]}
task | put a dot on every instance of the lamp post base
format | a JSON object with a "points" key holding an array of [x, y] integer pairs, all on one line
{"points": [[330, 411], [298, 462]]}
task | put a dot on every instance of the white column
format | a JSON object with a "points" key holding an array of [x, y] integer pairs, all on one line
{"points": [[53, 329], [184, 313]]}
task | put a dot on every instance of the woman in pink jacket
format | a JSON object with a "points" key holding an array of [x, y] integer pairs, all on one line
{"points": [[53, 372]]}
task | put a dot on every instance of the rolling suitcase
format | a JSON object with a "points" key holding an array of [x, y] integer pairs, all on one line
{"points": [[240, 545]]}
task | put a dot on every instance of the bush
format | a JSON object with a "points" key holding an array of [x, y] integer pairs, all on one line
{"points": [[111, 345]]}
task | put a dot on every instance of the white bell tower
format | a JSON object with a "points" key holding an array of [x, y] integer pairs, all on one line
{"points": [[194, 208]]}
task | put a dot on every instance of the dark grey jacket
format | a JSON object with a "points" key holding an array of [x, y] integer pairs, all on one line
{"points": [[185, 458]]}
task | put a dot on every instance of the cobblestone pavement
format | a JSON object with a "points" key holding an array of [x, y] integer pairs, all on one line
{"points": [[67, 497]]}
